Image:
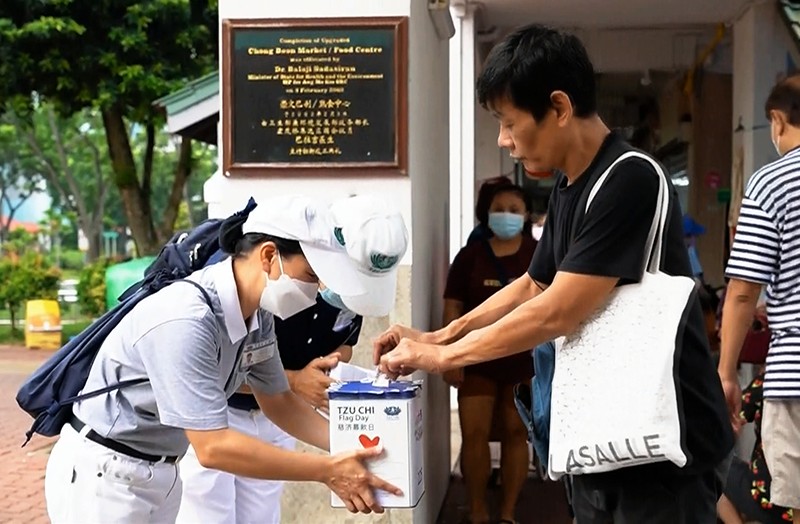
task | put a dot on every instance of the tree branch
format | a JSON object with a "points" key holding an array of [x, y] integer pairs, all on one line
{"points": [[44, 160], [147, 173], [182, 173], [102, 185], [5, 220], [72, 183]]}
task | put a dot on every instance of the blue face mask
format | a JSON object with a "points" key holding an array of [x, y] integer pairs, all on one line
{"points": [[506, 225], [332, 298]]}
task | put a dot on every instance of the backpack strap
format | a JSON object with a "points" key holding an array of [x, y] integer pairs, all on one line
{"points": [[134, 381], [202, 290]]}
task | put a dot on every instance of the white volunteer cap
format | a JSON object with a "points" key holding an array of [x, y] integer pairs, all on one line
{"points": [[308, 222], [376, 239]]}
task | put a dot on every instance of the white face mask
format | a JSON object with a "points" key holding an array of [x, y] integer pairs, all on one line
{"points": [[287, 296], [776, 143], [537, 231]]}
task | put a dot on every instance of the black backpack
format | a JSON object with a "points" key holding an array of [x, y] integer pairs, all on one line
{"points": [[48, 394]]}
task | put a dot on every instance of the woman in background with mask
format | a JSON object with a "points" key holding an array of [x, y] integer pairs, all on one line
{"points": [[486, 391], [117, 459]]}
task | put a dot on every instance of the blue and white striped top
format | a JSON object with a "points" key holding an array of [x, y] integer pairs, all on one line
{"points": [[766, 250]]}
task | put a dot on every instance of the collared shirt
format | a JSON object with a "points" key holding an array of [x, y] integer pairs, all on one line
{"points": [[766, 250], [193, 357], [315, 332], [312, 333]]}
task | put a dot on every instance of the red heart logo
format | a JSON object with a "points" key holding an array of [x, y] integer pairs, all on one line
{"points": [[367, 442]]}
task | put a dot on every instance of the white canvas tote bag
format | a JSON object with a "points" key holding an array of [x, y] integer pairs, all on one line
{"points": [[614, 402]]}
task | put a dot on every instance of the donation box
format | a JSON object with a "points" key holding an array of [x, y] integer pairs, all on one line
{"points": [[364, 415]]}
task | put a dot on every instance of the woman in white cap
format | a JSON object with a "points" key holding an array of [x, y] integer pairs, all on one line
{"points": [[376, 239], [312, 341], [117, 459]]}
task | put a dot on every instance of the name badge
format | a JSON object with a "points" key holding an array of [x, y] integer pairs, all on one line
{"points": [[256, 353]]}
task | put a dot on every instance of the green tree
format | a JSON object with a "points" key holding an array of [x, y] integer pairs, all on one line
{"points": [[19, 178], [117, 57], [92, 288], [26, 277], [164, 202], [71, 153]]}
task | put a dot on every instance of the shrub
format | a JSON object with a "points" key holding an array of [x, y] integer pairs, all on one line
{"points": [[26, 277], [92, 288], [72, 259]]}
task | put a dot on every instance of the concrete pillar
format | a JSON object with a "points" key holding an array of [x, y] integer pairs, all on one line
{"points": [[462, 126], [421, 196], [761, 47]]}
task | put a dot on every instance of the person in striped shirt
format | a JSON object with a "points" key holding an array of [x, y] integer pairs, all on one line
{"points": [[766, 252]]}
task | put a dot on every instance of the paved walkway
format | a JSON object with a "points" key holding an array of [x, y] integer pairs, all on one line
{"points": [[21, 469]]}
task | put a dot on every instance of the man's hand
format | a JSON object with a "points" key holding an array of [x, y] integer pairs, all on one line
{"points": [[733, 397], [389, 339], [311, 382], [409, 356], [353, 483], [454, 377]]}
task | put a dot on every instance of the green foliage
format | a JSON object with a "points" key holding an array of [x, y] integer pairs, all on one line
{"points": [[67, 330], [92, 288], [117, 58], [72, 259], [71, 153], [26, 277], [165, 162], [19, 177], [84, 53], [19, 242]]}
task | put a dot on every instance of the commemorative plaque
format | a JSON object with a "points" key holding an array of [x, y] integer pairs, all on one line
{"points": [[314, 96]]}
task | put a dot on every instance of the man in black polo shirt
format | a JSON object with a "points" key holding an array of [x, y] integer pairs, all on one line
{"points": [[540, 85]]}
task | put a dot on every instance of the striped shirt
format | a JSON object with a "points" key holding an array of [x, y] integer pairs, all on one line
{"points": [[766, 250]]}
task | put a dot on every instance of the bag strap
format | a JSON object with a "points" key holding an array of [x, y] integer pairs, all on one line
{"points": [[134, 381], [655, 237], [498, 266]]}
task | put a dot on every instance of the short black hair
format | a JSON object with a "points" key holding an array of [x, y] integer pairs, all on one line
{"points": [[488, 192], [531, 63], [499, 189], [249, 241], [233, 241], [485, 196], [785, 97]]}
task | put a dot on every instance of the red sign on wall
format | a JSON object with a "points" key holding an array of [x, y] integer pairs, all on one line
{"points": [[713, 180]]}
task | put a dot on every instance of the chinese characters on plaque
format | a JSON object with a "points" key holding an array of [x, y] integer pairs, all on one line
{"points": [[328, 95]]}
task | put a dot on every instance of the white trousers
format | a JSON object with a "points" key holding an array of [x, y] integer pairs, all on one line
{"points": [[216, 497], [87, 483]]}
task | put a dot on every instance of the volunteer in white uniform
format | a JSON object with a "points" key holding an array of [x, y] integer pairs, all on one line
{"points": [[376, 239], [116, 461]]}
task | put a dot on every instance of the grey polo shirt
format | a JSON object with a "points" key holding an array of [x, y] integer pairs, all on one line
{"points": [[189, 355]]}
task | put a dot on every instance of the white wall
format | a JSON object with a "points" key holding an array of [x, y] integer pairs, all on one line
{"points": [[311, 8], [428, 167], [462, 51], [225, 195], [760, 45], [422, 197]]}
